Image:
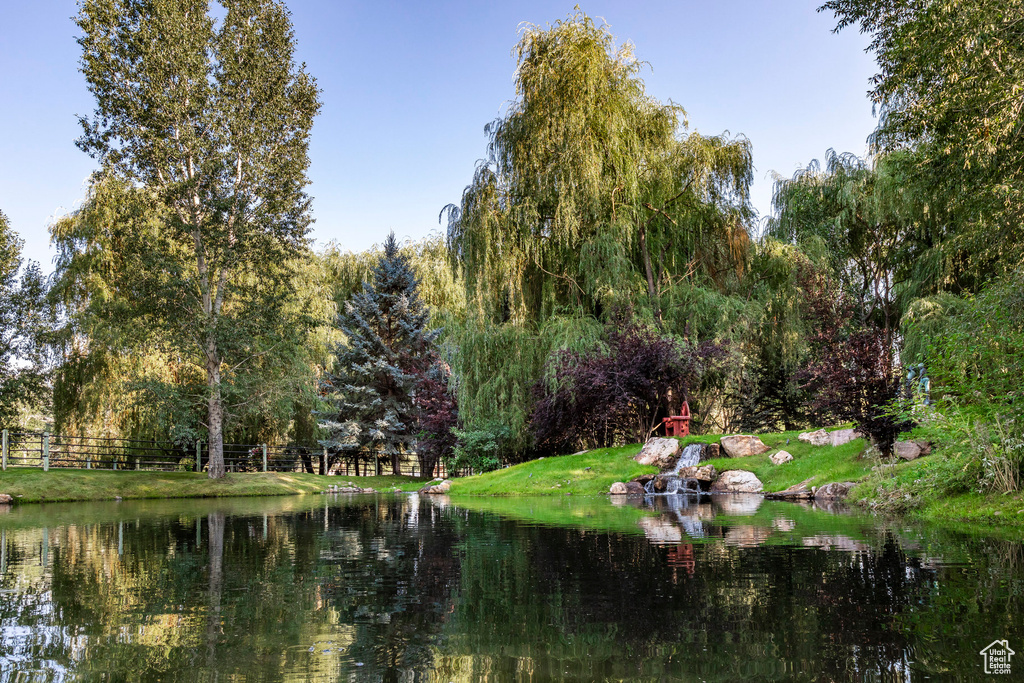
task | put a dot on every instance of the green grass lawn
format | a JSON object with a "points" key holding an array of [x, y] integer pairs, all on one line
{"points": [[820, 464], [31, 485], [589, 473]]}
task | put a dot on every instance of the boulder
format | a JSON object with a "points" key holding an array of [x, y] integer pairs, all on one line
{"points": [[740, 446], [659, 452], [436, 489], [843, 436], [634, 489], [644, 478], [780, 457], [711, 451], [801, 491], [700, 473], [906, 450], [5, 499], [925, 446], [618, 489], [818, 438], [737, 481], [834, 491]]}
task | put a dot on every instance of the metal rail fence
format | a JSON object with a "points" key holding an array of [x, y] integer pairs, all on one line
{"points": [[44, 450]]}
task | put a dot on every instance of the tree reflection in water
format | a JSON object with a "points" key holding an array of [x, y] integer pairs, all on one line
{"points": [[402, 588]]}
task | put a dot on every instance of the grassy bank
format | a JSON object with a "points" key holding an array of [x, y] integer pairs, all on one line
{"points": [[593, 472], [31, 485], [589, 473]]}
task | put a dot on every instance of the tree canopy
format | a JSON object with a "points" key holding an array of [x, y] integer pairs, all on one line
{"points": [[212, 118]]}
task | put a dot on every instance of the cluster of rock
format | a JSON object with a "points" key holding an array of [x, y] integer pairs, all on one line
{"points": [[443, 487], [664, 454], [334, 488], [804, 491], [824, 438]]}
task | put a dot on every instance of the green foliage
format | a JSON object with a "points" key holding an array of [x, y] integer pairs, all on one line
{"points": [[480, 450], [948, 74], [25, 323], [128, 369], [593, 195], [208, 121]]}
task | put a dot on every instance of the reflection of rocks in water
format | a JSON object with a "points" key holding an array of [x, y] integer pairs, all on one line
{"points": [[746, 535], [660, 530], [680, 516], [737, 503], [783, 524], [837, 542], [836, 507]]}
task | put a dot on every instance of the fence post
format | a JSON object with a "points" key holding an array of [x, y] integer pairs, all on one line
{"points": [[5, 450], [46, 452], [264, 457], [199, 456]]}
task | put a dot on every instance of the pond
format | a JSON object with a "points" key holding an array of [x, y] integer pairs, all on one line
{"points": [[404, 588]]}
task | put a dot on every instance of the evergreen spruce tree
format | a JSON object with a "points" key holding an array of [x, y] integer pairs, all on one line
{"points": [[377, 368]]}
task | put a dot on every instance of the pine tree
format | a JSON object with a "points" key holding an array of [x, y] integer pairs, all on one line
{"points": [[377, 367]]}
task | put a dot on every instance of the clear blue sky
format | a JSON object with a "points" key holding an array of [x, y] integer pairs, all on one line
{"points": [[408, 87]]}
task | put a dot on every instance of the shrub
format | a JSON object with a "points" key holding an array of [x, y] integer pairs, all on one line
{"points": [[617, 391], [852, 373]]}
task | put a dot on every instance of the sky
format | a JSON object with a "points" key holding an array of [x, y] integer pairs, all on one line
{"points": [[408, 87]]}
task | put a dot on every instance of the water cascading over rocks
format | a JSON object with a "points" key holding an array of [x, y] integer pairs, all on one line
{"points": [[672, 482]]}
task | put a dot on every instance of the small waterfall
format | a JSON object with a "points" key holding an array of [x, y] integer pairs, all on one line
{"points": [[689, 457], [673, 483]]}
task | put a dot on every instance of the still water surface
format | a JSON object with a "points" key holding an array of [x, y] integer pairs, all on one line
{"points": [[402, 588]]}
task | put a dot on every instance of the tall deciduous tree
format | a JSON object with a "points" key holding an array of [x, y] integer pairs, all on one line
{"points": [[213, 117], [23, 326], [387, 349], [594, 194], [948, 86]]}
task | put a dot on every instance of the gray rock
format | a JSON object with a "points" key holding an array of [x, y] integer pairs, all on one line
{"points": [[740, 446], [436, 489], [618, 489], [737, 481], [801, 491], [907, 450], [818, 438], [658, 452], [780, 457], [711, 451], [843, 436], [634, 489], [700, 473], [834, 491]]}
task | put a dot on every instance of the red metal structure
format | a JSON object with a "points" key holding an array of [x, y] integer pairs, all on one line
{"points": [[678, 425]]}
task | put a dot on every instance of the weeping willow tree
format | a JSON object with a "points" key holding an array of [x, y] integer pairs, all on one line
{"points": [[593, 197], [874, 226], [593, 194]]}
